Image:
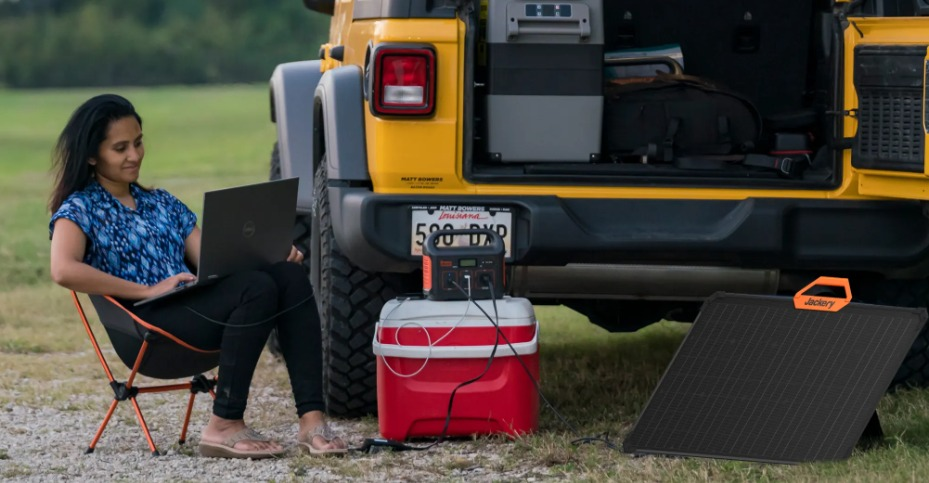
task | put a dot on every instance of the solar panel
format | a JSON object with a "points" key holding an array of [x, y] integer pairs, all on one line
{"points": [[757, 379]]}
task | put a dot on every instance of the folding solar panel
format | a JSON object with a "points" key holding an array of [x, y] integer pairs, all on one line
{"points": [[758, 379]]}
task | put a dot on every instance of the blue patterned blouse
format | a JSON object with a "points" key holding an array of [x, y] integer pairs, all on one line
{"points": [[145, 245]]}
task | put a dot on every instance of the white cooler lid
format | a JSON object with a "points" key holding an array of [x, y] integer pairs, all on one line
{"points": [[511, 311]]}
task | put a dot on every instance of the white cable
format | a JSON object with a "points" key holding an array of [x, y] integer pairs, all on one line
{"points": [[455, 325], [430, 343], [425, 361], [377, 337]]}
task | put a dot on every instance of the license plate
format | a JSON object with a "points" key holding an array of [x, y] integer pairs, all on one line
{"points": [[427, 219]]}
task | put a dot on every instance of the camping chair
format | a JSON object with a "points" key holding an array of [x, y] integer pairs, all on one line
{"points": [[152, 352]]}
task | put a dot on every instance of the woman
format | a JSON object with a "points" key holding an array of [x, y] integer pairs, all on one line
{"points": [[112, 236]]}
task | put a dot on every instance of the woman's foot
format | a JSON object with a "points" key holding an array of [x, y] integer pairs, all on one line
{"points": [[232, 438], [316, 437]]}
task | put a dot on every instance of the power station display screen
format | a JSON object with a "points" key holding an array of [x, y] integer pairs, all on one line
{"points": [[467, 262]]}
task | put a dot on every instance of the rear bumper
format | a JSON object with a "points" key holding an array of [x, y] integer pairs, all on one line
{"points": [[888, 237]]}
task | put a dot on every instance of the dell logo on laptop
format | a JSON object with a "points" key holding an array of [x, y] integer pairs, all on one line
{"points": [[248, 229]]}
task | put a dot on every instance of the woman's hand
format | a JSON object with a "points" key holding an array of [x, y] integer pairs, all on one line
{"points": [[170, 283], [295, 256]]}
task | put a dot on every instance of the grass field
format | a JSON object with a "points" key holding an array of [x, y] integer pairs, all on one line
{"points": [[203, 138]]}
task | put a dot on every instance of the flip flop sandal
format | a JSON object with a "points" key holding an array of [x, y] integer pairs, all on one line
{"points": [[325, 432], [227, 449]]}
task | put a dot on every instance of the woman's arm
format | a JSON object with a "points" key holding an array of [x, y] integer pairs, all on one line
{"points": [[192, 247], [69, 270]]}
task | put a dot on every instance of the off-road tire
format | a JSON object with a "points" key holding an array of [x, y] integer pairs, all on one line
{"points": [[275, 166], [350, 301], [301, 236], [914, 372]]}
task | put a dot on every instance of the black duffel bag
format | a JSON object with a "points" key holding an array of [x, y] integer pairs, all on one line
{"points": [[669, 116]]}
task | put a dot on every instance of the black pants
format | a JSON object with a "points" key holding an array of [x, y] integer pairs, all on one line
{"points": [[240, 301]]}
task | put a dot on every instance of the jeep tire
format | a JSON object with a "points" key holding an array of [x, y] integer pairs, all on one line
{"points": [[350, 301]]}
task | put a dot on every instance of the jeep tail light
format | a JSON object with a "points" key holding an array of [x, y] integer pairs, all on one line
{"points": [[404, 81]]}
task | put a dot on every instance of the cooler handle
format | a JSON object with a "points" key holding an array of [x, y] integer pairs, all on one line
{"points": [[519, 23], [456, 352], [823, 303]]}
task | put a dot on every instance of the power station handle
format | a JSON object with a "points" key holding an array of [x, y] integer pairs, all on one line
{"points": [[497, 240], [519, 22], [820, 302]]}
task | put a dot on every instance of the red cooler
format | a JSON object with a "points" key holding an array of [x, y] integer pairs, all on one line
{"points": [[426, 348]]}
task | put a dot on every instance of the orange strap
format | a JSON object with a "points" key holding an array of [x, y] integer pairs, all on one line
{"points": [[819, 302]]}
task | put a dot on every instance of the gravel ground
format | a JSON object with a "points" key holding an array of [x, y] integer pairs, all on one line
{"points": [[44, 440], [43, 444]]}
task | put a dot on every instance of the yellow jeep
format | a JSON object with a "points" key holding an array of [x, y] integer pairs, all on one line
{"points": [[784, 141]]}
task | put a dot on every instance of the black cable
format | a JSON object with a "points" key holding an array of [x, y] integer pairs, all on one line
{"points": [[604, 437], [264, 321], [451, 399], [601, 438], [535, 383]]}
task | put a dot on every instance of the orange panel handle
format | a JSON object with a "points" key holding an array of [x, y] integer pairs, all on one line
{"points": [[822, 303]]}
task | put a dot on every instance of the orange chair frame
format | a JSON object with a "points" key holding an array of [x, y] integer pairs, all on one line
{"points": [[125, 390]]}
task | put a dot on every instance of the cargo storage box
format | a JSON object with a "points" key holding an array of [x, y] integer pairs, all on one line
{"points": [[425, 349], [545, 80]]}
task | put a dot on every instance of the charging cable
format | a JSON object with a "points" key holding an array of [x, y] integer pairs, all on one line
{"points": [[602, 438], [397, 340], [535, 383], [430, 343], [254, 324]]}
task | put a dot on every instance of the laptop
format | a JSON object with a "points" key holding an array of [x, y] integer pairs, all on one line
{"points": [[244, 228]]}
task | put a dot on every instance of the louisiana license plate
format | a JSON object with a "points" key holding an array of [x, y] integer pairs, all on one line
{"points": [[427, 219]]}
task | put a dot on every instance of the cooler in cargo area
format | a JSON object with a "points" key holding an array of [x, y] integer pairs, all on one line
{"points": [[544, 80]]}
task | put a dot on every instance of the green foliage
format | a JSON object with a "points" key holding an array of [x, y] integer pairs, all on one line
{"points": [[56, 43]]}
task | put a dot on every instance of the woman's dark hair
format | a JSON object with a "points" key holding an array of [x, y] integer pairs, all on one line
{"points": [[80, 141]]}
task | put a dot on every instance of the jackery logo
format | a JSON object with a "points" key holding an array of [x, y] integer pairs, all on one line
{"points": [[820, 303]]}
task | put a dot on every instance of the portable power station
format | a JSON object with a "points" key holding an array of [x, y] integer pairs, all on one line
{"points": [[460, 272]]}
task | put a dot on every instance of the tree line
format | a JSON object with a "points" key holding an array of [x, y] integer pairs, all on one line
{"points": [[89, 43]]}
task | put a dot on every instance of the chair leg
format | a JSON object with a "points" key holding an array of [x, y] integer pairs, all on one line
{"points": [[190, 407], [106, 420], [197, 384], [148, 434], [126, 390]]}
